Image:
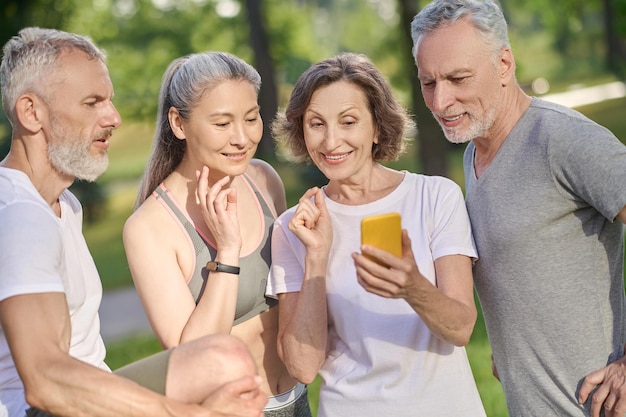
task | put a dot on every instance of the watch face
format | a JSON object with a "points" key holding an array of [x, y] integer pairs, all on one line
{"points": [[218, 267]]}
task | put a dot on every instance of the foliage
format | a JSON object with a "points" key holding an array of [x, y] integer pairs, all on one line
{"points": [[15, 14], [143, 39], [572, 34]]}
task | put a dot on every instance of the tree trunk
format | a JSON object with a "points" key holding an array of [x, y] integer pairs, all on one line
{"points": [[432, 150], [268, 98], [615, 53]]}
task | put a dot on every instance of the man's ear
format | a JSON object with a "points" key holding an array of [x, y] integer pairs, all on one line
{"points": [[507, 67], [30, 110]]}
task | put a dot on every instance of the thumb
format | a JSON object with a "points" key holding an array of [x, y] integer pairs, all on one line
{"points": [[590, 382], [406, 244]]}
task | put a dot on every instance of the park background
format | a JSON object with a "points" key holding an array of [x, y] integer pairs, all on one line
{"points": [[559, 46]]}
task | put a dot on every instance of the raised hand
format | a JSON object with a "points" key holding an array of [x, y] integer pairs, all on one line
{"points": [[311, 222], [219, 210]]}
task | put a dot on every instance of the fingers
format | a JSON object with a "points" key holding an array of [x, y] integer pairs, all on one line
{"points": [[381, 257], [203, 186], [610, 390], [218, 204], [597, 400], [379, 279], [215, 198], [307, 211], [241, 398], [589, 383], [310, 193], [494, 369], [246, 386], [610, 396], [218, 196], [320, 202]]}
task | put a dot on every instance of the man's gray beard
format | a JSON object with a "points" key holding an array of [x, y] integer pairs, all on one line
{"points": [[476, 130], [456, 139], [73, 158]]}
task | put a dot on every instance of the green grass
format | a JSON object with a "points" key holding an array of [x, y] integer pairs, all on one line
{"points": [[610, 114], [105, 238], [128, 154]]}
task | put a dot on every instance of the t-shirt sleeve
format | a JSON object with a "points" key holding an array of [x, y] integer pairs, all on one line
{"points": [[30, 251], [287, 270], [589, 163], [452, 233]]}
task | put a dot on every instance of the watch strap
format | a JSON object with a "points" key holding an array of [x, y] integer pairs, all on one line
{"points": [[220, 267]]}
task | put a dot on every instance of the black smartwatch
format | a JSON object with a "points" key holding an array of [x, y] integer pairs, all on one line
{"points": [[218, 267]]}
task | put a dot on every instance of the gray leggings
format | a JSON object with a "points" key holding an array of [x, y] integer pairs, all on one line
{"points": [[299, 408]]}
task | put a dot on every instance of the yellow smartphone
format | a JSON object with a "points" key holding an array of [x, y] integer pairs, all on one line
{"points": [[383, 231]]}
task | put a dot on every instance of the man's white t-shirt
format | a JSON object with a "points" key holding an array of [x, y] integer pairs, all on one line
{"points": [[382, 358], [40, 253]]}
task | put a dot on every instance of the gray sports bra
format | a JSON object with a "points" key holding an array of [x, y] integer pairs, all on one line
{"points": [[251, 299]]}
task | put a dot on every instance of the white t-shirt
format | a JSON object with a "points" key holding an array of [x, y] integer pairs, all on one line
{"points": [[382, 359], [40, 252]]}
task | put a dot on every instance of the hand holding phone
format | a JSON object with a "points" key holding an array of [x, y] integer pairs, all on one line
{"points": [[383, 231]]}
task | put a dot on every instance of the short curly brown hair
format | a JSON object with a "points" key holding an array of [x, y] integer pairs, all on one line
{"points": [[391, 120]]}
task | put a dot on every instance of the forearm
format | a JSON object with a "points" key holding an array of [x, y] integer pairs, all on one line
{"points": [[68, 387], [447, 318], [215, 311], [304, 327]]}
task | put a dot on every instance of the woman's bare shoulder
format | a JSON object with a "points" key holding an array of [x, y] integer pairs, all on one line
{"points": [[267, 179]]}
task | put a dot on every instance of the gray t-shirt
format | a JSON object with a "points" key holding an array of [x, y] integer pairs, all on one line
{"points": [[551, 256]]}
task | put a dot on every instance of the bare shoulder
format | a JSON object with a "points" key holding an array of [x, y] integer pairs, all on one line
{"points": [[260, 169], [269, 182], [150, 220]]}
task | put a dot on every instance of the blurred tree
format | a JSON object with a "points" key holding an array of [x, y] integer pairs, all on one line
{"points": [[589, 36], [283, 37], [433, 147], [142, 37], [268, 97], [16, 14], [615, 32]]}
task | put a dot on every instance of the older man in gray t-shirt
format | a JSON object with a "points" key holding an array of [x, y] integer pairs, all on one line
{"points": [[546, 195], [550, 273]]}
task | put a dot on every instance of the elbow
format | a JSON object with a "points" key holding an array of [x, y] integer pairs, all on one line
{"points": [[464, 334], [461, 338], [302, 367], [457, 338], [39, 393], [306, 380], [303, 375]]}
